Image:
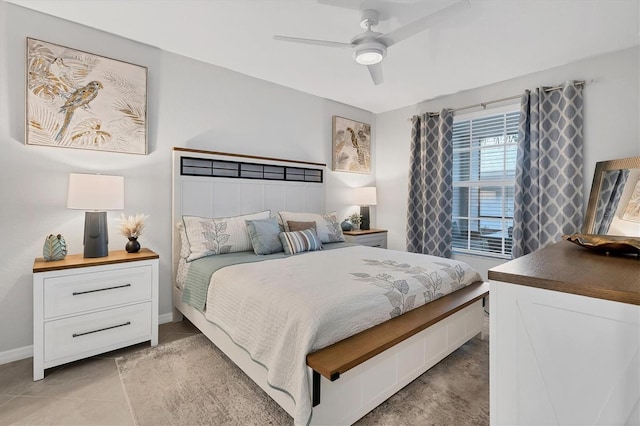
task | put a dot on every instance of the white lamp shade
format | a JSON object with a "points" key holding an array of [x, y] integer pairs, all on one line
{"points": [[365, 196], [95, 192]]}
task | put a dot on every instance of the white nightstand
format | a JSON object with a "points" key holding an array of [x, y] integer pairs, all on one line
{"points": [[370, 237], [86, 306]]}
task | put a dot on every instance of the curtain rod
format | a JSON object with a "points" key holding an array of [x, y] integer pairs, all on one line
{"points": [[495, 101]]}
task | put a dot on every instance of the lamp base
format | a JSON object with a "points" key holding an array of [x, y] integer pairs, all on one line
{"points": [[96, 235], [364, 212]]}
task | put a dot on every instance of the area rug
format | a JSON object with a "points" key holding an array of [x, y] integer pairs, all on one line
{"points": [[190, 382]]}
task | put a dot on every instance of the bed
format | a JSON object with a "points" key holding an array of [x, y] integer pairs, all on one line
{"points": [[329, 334]]}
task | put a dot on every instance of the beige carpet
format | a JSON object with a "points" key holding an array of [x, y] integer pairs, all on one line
{"points": [[190, 382]]}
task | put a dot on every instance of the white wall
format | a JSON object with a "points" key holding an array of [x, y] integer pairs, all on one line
{"points": [[611, 130], [190, 104]]}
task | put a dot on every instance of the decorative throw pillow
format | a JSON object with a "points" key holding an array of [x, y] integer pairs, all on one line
{"points": [[301, 226], [327, 225], [264, 235], [185, 251], [300, 241], [212, 236], [279, 220]]}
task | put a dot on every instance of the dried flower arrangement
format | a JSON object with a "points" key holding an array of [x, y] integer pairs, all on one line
{"points": [[132, 226], [355, 218]]}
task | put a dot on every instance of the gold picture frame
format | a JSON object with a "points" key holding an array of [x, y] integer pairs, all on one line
{"points": [[351, 146], [81, 100]]}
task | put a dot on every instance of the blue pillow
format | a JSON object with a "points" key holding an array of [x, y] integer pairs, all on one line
{"points": [[264, 235], [299, 241]]}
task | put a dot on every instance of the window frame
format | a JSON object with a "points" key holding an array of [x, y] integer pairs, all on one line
{"points": [[477, 183]]}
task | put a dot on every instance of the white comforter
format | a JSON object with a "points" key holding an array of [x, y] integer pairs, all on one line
{"points": [[281, 310]]}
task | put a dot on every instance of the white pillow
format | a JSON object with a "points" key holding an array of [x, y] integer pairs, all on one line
{"points": [[327, 225], [211, 236], [185, 251]]}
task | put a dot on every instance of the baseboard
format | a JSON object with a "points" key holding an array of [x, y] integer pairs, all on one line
{"points": [[27, 351], [165, 318], [16, 354]]}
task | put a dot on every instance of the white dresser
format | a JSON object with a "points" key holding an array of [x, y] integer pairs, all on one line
{"points": [[565, 339], [83, 307], [370, 237]]}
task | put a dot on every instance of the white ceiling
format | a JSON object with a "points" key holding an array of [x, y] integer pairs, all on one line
{"points": [[493, 40]]}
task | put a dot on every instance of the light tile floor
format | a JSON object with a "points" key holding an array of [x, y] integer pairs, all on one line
{"points": [[85, 392]]}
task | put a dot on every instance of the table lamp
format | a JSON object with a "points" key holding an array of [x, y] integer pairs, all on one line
{"points": [[97, 193], [365, 196]]}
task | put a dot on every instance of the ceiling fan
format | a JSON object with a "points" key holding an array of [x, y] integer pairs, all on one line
{"points": [[370, 47]]}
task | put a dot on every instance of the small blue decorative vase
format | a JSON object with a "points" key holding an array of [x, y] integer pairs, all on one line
{"points": [[55, 248], [346, 225]]}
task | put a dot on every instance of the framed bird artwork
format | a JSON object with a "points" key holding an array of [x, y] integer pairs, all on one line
{"points": [[80, 100], [351, 146]]}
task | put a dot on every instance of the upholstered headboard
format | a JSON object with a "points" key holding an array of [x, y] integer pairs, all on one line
{"points": [[213, 184]]}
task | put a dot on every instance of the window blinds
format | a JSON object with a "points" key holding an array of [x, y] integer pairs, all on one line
{"points": [[484, 164]]}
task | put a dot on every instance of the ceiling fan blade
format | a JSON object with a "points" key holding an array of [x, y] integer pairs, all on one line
{"points": [[376, 73], [312, 41], [422, 24]]}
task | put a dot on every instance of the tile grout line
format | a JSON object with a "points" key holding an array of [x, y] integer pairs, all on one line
{"points": [[65, 398], [9, 400], [33, 383]]}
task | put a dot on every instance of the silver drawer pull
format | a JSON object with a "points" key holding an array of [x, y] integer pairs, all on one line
{"points": [[77, 293], [102, 329]]}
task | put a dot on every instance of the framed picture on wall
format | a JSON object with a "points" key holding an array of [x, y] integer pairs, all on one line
{"points": [[80, 100], [351, 146]]}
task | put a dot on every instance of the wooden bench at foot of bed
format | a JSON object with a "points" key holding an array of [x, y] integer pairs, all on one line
{"points": [[346, 354]]}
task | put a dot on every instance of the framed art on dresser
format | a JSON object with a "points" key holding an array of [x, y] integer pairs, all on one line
{"points": [[80, 100]]}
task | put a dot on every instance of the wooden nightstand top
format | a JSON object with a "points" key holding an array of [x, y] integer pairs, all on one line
{"points": [[79, 261], [362, 232]]}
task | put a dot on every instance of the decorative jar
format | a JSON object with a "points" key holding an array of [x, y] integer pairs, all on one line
{"points": [[133, 246], [55, 248]]}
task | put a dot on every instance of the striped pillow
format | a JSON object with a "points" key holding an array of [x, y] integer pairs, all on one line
{"points": [[300, 241]]}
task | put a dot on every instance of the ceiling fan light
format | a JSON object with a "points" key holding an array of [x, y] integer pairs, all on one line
{"points": [[369, 53], [368, 57]]}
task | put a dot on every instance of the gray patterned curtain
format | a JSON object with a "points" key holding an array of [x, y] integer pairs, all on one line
{"points": [[548, 188], [430, 185]]}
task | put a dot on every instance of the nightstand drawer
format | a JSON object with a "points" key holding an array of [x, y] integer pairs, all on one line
{"points": [[90, 332], [71, 294], [373, 240]]}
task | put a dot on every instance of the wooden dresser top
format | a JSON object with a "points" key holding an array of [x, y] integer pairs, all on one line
{"points": [[79, 261], [569, 268]]}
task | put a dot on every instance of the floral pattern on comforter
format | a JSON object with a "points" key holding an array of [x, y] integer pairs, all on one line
{"points": [[432, 282]]}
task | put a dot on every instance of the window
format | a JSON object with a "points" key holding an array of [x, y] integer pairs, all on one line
{"points": [[484, 166]]}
